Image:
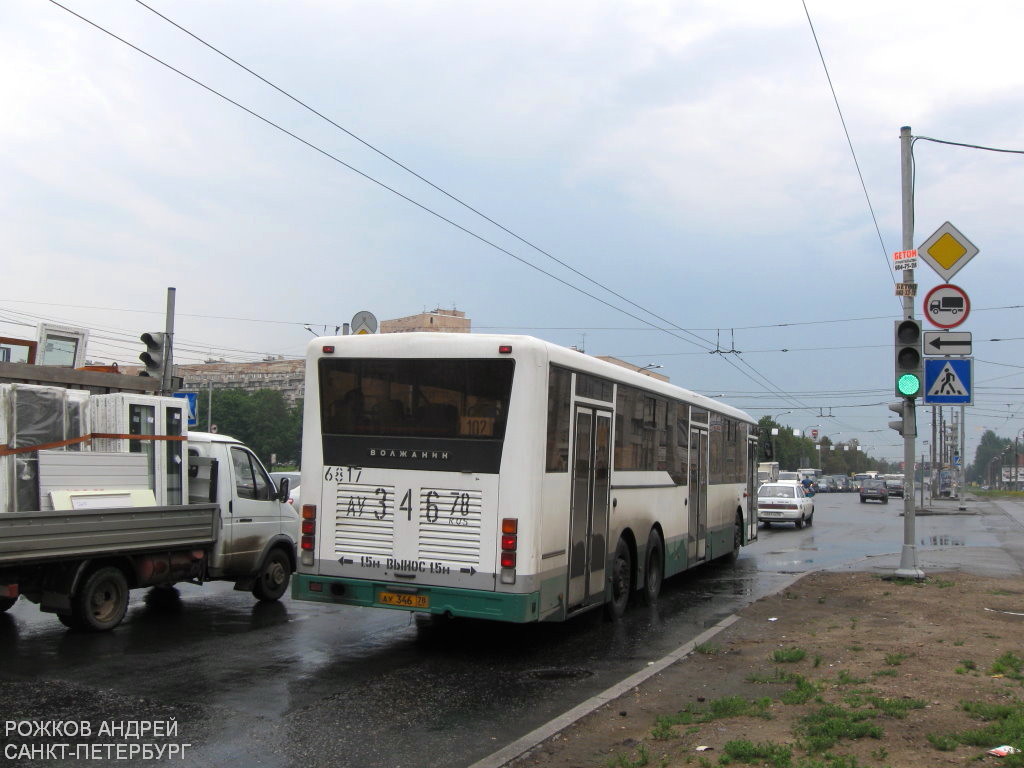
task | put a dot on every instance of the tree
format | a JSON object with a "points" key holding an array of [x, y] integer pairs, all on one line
{"points": [[988, 458], [261, 419]]}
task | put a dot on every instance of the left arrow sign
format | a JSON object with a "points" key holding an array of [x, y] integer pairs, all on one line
{"points": [[955, 343]]}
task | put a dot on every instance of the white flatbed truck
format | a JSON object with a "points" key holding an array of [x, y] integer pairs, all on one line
{"points": [[80, 563]]}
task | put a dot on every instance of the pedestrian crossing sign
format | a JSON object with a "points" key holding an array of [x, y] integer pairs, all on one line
{"points": [[948, 381]]}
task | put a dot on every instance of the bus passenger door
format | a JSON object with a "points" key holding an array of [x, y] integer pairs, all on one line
{"points": [[588, 519], [751, 505], [697, 539]]}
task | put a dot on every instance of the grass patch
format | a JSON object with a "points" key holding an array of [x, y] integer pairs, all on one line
{"points": [[823, 729], [895, 659], [966, 665], [788, 655], [628, 761], [708, 649], [885, 673], [845, 678], [743, 751], [943, 743], [1008, 665], [1005, 726], [803, 691], [897, 708], [856, 648], [718, 709]]}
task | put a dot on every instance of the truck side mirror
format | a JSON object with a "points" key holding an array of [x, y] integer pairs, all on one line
{"points": [[282, 493]]}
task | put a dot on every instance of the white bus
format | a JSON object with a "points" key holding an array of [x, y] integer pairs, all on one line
{"points": [[506, 478]]}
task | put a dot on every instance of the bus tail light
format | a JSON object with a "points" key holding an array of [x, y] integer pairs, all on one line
{"points": [[308, 541], [509, 545]]}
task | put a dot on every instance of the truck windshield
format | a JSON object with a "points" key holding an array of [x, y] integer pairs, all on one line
{"points": [[415, 398]]}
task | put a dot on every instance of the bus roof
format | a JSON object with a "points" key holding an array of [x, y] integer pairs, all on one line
{"points": [[425, 344]]}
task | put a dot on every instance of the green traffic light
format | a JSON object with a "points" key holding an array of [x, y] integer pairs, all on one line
{"points": [[908, 384]]}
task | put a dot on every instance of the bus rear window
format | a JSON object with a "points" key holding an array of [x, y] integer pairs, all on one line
{"points": [[415, 397]]}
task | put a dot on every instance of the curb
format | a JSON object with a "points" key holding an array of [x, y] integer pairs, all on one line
{"points": [[534, 738]]}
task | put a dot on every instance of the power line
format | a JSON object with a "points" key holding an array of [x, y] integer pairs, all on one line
{"points": [[366, 176], [849, 141], [970, 146], [409, 170], [410, 200]]}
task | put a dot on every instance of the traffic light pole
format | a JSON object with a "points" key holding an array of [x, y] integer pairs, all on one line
{"points": [[168, 372], [908, 557]]}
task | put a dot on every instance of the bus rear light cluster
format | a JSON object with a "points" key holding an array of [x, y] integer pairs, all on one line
{"points": [[509, 545], [308, 541]]}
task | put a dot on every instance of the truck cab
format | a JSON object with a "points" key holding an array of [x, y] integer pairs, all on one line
{"points": [[256, 519]]}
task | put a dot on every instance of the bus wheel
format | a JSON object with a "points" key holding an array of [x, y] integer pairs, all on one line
{"points": [[621, 581], [654, 573], [737, 535]]}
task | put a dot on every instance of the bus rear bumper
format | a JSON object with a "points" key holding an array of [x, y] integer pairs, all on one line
{"points": [[467, 603]]}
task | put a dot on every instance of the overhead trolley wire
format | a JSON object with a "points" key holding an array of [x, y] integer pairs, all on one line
{"points": [[410, 200], [361, 173]]}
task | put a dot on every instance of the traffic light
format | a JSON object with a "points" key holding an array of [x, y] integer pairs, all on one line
{"points": [[906, 424], [154, 358], [909, 363]]}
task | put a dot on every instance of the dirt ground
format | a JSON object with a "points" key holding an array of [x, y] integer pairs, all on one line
{"points": [[871, 644]]}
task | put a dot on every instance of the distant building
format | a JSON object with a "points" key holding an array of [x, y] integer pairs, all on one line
{"points": [[285, 376], [288, 376], [438, 321]]}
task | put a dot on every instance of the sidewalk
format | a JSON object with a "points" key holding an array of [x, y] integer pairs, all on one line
{"points": [[865, 639]]}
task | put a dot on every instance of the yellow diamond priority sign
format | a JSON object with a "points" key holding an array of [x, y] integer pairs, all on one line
{"points": [[947, 251]]}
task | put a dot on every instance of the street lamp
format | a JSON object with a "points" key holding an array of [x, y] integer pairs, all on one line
{"points": [[649, 367], [991, 471]]}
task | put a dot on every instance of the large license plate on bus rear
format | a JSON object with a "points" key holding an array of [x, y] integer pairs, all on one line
{"points": [[403, 600]]}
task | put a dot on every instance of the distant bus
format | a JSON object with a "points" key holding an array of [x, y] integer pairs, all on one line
{"points": [[506, 478]]}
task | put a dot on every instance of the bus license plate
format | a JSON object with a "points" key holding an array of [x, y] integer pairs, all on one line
{"points": [[403, 600]]}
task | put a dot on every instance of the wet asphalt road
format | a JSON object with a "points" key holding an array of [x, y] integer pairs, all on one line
{"points": [[305, 684]]}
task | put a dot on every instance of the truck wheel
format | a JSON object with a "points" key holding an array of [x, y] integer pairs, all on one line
{"points": [[654, 573], [102, 601], [621, 581], [272, 581], [6, 603]]}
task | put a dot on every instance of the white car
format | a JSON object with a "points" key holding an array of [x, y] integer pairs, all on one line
{"points": [[784, 503]]}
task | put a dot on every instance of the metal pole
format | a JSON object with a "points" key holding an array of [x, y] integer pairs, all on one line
{"points": [[209, 404], [165, 382], [908, 556]]}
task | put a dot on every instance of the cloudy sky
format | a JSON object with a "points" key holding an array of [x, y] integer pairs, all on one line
{"points": [[683, 163]]}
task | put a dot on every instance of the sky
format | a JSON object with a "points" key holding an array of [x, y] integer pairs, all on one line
{"points": [[671, 180]]}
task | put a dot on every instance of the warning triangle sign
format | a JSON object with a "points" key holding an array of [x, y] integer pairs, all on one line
{"points": [[947, 383]]}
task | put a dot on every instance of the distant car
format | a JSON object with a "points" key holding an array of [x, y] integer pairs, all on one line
{"points": [[827, 484], [784, 503], [895, 487], [843, 484], [789, 477], [874, 489]]}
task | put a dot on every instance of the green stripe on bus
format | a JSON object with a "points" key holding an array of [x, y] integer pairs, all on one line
{"points": [[468, 603]]}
